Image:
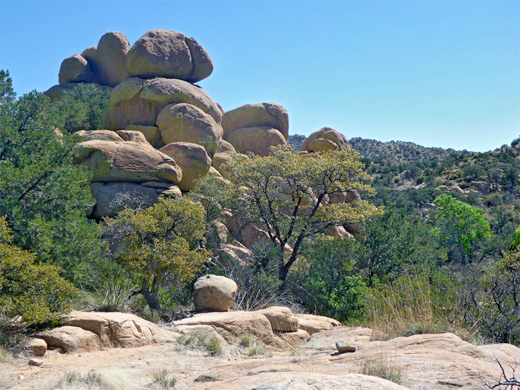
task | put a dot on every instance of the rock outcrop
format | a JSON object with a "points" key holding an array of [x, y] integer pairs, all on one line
{"points": [[89, 331]]}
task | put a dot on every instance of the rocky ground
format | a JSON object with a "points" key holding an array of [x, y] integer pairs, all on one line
{"points": [[441, 361]]}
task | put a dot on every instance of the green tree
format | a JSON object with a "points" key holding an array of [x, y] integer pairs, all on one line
{"points": [[462, 227], [36, 292], [42, 193], [395, 244], [326, 282], [288, 195], [159, 245]]}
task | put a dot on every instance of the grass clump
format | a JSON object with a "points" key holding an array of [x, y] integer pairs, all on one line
{"points": [[201, 341], [75, 380], [415, 304], [382, 368], [163, 380], [252, 346]]}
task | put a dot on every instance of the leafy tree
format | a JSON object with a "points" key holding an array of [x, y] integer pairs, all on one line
{"points": [[461, 227], [395, 244], [287, 195], [326, 282], [42, 193], [160, 244], [36, 292]]}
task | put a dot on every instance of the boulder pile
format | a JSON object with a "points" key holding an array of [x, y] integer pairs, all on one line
{"points": [[185, 133]]}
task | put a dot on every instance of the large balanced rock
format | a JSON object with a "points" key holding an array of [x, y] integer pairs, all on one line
{"points": [[163, 53], [107, 61], [74, 69], [193, 160], [138, 101], [257, 140], [131, 160], [256, 115], [324, 140], [214, 293], [186, 123]]}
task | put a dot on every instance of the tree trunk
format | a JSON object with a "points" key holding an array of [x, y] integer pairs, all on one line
{"points": [[151, 298]]}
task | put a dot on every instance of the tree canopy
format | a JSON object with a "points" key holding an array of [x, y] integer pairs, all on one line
{"points": [[289, 196]]}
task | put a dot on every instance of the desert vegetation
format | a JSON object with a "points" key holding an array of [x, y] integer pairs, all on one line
{"points": [[434, 249]]}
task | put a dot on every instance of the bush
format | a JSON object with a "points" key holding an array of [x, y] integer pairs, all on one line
{"points": [[35, 292], [324, 283]]}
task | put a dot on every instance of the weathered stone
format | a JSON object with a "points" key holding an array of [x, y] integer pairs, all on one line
{"points": [[161, 92], [35, 362], [122, 330], [324, 140], [184, 122], [214, 293], [173, 191], [111, 198], [100, 135], [257, 140], [71, 339], [313, 324], [281, 318], [226, 147], [38, 347], [57, 91], [137, 101], [74, 69], [108, 61], [344, 347], [132, 160], [151, 133], [219, 161], [256, 115], [163, 53], [193, 160]]}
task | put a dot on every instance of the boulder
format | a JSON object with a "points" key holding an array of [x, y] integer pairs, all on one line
{"points": [[121, 330], [219, 160], [313, 324], [111, 198], [137, 101], [108, 61], [161, 92], [57, 91], [125, 107], [235, 252], [214, 293], [256, 115], [226, 147], [71, 339], [184, 122], [100, 135], [163, 53], [38, 347], [257, 140], [151, 133], [74, 69], [130, 160], [281, 319], [324, 140], [193, 160], [35, 362]]}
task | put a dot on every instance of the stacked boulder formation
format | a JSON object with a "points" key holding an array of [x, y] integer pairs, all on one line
{"points": [[161, 131]]}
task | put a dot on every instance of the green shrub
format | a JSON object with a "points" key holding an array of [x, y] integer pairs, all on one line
{"points": [[36, 292]]}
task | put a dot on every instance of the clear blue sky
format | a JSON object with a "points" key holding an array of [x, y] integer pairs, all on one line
{"points": [[437, 73]]}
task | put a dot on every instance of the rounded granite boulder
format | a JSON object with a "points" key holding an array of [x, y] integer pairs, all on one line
{"points": [[324, 140], [257, 140], [74, 69], [214, 293], [256, 115], [164, 53]]}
